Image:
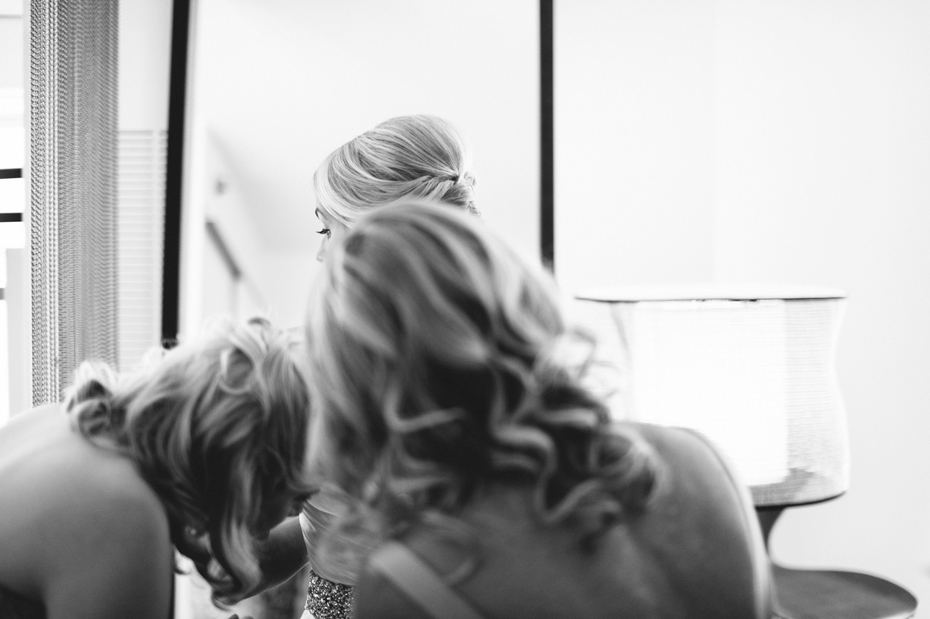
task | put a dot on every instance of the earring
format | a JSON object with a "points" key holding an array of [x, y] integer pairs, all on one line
{"points": [[192, 532]]}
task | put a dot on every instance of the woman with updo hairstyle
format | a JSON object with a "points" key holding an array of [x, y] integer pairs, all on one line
{"points": [[202, 452], [450, 402], [405, 157], [419, 156]]}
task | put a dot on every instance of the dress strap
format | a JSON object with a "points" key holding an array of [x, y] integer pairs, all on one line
{"points": [[417, 580]]}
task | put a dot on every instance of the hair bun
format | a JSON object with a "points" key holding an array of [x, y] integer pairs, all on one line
{"points": [[416, 156]]}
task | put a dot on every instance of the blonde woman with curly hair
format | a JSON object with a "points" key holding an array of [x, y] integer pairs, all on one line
{"points": [[203, 452], [449, 400], [418, 156]]}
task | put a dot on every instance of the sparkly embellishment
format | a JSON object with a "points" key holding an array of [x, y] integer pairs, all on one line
{"points": [[327, 599]]}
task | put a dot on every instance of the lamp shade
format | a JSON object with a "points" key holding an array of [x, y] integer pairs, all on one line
{"points": [[751, 367]]}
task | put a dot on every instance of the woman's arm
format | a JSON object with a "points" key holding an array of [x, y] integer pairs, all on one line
{"points": [[282, 555]]}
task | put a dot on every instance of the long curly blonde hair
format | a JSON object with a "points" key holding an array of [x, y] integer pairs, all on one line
{"points": [[440, 361], [218, 428]]}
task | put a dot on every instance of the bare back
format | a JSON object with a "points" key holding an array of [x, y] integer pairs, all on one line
{"points": [[695, 553], [80, 530]]}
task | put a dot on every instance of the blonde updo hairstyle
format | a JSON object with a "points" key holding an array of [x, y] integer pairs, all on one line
{"points": [[218, 428], [440, 362], [405, 157]]}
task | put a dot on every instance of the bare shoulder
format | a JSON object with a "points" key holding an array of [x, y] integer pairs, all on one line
{"points": [[669, 440], [55, 474], [117, 497], [100, 485], [107, 548], [71, 509]]}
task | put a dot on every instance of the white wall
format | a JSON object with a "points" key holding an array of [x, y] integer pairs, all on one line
{"points": [[12, 49], [281, 85], [288, 277], [781, 142], [216, 195], [144, 48], [14, 379], [633, 141], [144, 64], [821, 176]]}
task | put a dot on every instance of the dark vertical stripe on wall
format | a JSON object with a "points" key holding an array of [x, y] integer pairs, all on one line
{"points": [[547, 141], [174, 170]]}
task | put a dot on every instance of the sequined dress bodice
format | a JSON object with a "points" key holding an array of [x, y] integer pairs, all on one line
{"points": [[330, 592]]}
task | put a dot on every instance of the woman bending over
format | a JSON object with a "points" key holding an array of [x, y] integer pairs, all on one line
{"points": [[203, 453]]}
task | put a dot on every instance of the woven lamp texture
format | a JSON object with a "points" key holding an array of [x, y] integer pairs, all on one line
{"points": [[751, 367]]}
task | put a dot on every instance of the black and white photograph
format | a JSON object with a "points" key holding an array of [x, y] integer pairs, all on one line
{"points": [[463, 309]]}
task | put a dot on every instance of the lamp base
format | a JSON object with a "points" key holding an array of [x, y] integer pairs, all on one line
{"points": [[829, 594], [832, 594]]}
